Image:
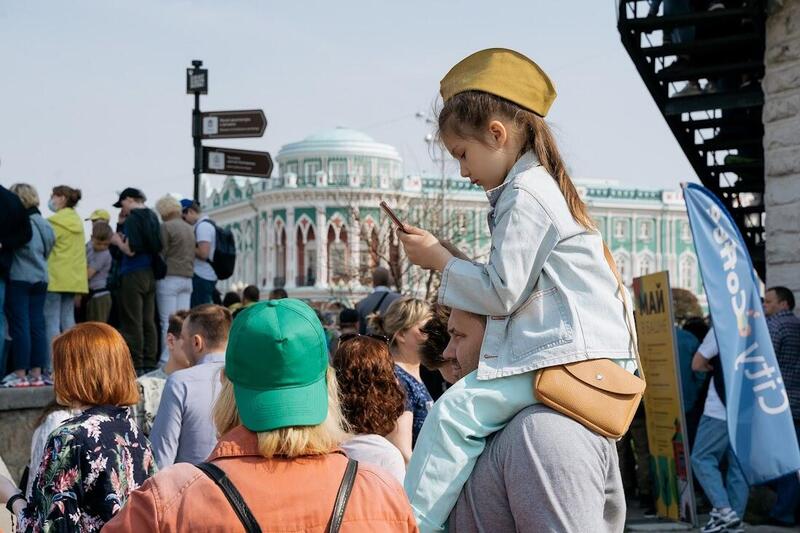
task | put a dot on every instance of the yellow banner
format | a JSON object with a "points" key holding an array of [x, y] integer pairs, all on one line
{"points": [[666, 423]]}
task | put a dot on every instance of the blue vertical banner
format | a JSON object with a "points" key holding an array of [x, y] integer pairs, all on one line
{"points": [[759, 420]]}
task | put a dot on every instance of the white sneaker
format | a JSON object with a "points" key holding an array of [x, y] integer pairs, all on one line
{"points": [[719, 522], [12, 381]]}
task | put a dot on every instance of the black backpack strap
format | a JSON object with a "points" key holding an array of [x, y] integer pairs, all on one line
{"points": [[343, 495], [378, 305], [232, 494], [362, 324]]}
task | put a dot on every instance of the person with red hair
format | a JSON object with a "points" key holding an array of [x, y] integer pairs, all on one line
{"points": [[372, 401], [94, 460]]}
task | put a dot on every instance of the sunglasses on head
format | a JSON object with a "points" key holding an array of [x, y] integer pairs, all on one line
{"points": [[350, 336]]}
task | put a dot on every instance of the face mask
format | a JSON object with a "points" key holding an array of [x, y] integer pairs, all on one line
{"points": [[51, 205]]}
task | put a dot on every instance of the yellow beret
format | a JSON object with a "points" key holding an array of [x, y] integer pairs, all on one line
{"points": [[504, 73]]}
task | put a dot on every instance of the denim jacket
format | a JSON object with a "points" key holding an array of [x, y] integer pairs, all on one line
{"points": [[29, 262], [548, 295]]}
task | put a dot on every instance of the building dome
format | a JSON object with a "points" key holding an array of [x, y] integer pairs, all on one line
{"points": [[339, 133], [338, 142]]}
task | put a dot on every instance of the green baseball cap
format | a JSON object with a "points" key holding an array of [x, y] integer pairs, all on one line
{"points": [[277, 358]]}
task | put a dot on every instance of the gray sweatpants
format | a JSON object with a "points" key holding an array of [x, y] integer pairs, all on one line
{"points": [[543, 472]]}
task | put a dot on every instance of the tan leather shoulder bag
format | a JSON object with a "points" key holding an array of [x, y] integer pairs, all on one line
{"points": [[598, 393]]}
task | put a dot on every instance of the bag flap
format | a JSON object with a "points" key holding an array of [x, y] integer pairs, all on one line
{"points": [[606, 375]]}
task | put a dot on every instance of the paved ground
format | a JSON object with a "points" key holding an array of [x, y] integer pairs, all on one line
{"points": [[637, 522]]}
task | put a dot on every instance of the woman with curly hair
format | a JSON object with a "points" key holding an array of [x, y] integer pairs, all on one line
{"points": [[372, 401]]}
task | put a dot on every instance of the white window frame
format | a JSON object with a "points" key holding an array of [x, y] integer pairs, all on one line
{"points": [[686, 232], [645, 233], [623, 224], [310, 168], [337, 169]]}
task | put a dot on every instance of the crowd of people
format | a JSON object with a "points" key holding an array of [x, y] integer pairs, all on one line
{"points": [[133, 277], [394, 414]]}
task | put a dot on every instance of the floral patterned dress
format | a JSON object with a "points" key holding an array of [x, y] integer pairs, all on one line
{"points": [[90, 465]]}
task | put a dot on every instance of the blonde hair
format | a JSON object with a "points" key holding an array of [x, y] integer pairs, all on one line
{"points": [[289, 442], [402, 314], [168, 207], [467, 114], [27, 194]]}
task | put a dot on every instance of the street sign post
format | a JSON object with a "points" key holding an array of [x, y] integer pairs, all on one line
{"points": [[197, 84], [227, 124], [223, 125], [237, 162]]}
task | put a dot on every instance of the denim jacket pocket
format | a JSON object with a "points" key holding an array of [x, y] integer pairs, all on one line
{"points": [[544, 321]]}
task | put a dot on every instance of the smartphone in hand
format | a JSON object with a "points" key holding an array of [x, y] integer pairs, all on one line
{"points": [[393, 217]]}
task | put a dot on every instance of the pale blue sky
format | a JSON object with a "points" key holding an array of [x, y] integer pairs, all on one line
{"points": [[93, 92]]}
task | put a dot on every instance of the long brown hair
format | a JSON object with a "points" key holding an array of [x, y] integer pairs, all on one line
{"points": [[467, 114], [73, 196]]}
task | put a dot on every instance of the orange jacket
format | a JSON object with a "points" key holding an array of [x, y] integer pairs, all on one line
{"points": [[283, 494]]}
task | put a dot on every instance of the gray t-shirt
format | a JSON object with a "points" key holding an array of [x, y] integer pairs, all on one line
{"points": [[543, 472], [99, 262]]}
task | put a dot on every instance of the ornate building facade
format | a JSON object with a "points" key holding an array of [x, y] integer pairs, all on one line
{"points": [[316, 229]]}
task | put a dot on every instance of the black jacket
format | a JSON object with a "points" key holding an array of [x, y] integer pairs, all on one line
{"points": [[15, 229], [143, 231]]}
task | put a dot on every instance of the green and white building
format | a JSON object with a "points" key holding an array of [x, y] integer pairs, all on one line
{"points": [[316, 228]]}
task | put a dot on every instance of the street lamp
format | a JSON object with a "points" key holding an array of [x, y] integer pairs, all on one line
{"points": [[433, 146]]}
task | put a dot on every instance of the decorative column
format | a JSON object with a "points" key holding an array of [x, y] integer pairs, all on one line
{"points": [[354, 240], [291, 249], [322, 249], [634, 253], [657, 228], [672, 237], [268, 255], [476, 228], [255, 248]]}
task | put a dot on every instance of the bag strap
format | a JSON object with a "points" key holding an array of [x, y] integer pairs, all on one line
{"points": [[622, 291], [232, 494], [378, 305], [343, 495]]}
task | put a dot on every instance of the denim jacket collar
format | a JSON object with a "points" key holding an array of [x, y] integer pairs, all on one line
{"points": [[528, 160]]}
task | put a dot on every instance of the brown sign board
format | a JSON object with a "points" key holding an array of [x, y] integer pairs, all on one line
{"points": [[231, 124], [236, 162]]}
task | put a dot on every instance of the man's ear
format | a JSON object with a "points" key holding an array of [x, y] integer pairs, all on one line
{"points": [[498, 133], [197, 340]]}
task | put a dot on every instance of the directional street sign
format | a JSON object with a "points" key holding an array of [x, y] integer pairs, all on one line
{"points": [[229, 124], [236, 162], [197, 80]]}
